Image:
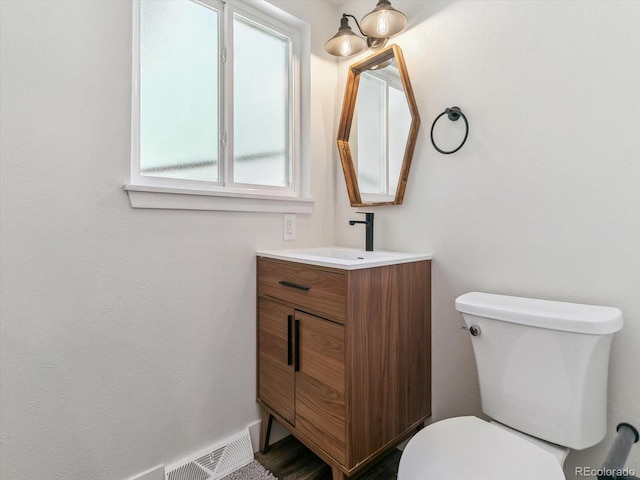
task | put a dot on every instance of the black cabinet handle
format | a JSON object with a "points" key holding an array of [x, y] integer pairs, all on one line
{"points": [[286, 283], [289, 347], [297, 340]]}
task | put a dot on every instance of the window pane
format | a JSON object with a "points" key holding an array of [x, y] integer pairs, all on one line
{"points": [[178, 90], [261, 106]]}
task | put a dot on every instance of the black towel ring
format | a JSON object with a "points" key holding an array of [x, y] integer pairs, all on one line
{"points": [[454, 113]]}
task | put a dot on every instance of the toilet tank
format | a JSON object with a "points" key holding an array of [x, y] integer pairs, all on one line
{"points": [[543, 365]]}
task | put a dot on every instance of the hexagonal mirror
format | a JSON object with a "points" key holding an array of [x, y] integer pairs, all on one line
{"points": [[378, 129]]}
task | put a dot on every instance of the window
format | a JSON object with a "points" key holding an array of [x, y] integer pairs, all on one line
{"points": [[217, 101]]}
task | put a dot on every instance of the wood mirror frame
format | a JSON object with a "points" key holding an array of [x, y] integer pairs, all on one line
{"points": [[387, 54]]}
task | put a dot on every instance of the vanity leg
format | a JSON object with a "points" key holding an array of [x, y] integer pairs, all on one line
{"points": [[337, 473], [265, 431]]}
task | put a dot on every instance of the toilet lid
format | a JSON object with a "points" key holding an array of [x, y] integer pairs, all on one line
{"points": [[469, 448]]}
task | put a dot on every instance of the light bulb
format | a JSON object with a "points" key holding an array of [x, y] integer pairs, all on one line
{"points": [[345, 47], [382, 27]]}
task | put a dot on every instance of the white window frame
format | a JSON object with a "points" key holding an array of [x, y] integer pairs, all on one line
{"points": [[170, 193]]}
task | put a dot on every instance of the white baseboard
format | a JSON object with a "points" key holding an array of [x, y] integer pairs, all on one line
{"points": [[155, 473], [254, 433], [278, 432]]}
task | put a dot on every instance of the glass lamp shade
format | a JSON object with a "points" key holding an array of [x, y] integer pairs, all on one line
{"points": [[384, 21], [345, 43]]}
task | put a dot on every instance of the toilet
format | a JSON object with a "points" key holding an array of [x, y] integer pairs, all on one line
{"points": [[542, 368]]}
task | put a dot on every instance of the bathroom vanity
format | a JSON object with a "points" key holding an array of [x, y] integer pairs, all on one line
{"points": [[344, 350]]}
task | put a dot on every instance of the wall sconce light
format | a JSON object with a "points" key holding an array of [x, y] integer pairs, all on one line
{"points": [[377, 26]]}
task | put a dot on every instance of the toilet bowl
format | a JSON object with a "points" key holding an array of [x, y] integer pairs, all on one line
{"points": [[472, 449], [542, 368]]}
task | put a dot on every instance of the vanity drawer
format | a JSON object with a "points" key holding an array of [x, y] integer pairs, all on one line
{"points": [[320, 290]]}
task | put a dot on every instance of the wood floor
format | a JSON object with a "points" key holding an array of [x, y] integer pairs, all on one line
{"points": [[288, 459]]}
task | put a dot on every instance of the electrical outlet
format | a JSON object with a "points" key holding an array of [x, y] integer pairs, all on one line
{"points": [[289, 226]]}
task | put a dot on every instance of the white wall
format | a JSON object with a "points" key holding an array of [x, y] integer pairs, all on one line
{"points": [[544, 198], [128, 336]]}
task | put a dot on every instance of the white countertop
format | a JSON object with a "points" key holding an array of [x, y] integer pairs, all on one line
{"points": [[343, 258]]}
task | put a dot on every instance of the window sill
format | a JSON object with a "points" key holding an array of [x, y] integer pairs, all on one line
{"points": [[142, 196]]}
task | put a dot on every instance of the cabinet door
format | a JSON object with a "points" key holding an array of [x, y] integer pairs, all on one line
{"points": [[320, 383], [275, 357]]}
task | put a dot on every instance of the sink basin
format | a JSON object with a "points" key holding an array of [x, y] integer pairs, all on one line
{"points": [[342, 257]]}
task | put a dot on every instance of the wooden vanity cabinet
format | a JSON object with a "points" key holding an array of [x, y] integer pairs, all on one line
{"points": [[344, 356]]}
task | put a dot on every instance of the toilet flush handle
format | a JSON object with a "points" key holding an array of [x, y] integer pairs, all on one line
{"points": [[473, 330]]}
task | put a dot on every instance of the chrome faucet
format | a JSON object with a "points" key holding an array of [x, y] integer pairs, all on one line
{"points": [[368, 221]]}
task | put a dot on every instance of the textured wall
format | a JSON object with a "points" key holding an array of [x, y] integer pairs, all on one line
{"points": [[543, 200], [128, 336]]}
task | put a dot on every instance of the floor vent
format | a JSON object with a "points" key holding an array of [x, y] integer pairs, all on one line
{"points": [[214, 462]]}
